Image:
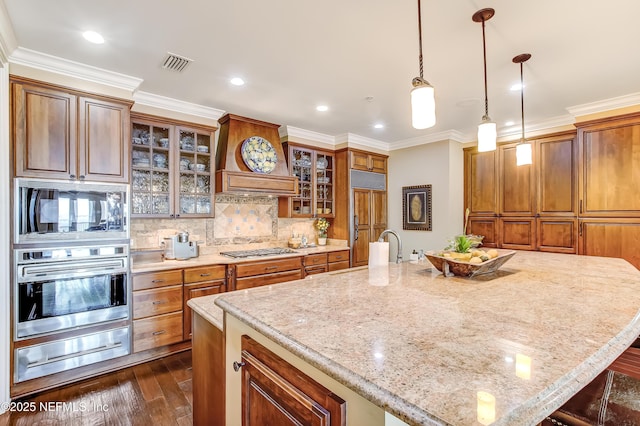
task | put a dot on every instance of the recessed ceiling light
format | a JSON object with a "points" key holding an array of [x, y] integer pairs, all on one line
{"points": [[322, 108], [237, 81], [93, 37], [516, 87], [509, 123], [378, 126]]}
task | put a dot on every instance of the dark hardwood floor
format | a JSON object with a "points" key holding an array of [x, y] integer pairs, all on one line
{"points": [[155, 393]]}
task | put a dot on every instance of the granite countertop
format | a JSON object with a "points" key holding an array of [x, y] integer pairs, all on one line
{"points": [[422, 346], [218, 259]]}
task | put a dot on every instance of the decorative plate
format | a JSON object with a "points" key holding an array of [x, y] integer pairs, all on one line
{"points": [[259, 155]]}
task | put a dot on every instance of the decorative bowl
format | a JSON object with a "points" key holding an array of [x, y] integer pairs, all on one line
{"points": [[449, 266], [202, 148]]}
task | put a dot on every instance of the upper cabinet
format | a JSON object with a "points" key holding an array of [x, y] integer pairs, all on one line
{"points": [[171, 168], [367, 161], [66, 134], [315, 170], [609, 172]]}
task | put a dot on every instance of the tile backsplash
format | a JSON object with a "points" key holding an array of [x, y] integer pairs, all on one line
{"points": [[239, 220]]}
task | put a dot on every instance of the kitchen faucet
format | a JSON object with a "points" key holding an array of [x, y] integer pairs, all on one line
{"points": [[390, 231]]}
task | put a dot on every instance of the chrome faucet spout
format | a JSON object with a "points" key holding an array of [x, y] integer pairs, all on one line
{"points": [[394, 233]]}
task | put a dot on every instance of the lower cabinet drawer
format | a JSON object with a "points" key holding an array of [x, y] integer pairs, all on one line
{"points": [[157, 331], [336, 266], [271, 266], [338, 256], [147, 303], [309, 270], [259, 280]]}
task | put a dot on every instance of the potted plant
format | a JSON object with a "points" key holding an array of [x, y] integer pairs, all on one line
{"points": [[322, 225]]}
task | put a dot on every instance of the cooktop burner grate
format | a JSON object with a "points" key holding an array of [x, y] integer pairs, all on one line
{"points": [[258, 252]]}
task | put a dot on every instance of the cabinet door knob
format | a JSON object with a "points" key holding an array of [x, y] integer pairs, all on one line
{"points": [[238, 365], [81, 177], [72, 176]]}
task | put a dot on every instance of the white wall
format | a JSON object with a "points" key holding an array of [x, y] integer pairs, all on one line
{"points": [[4, 233], [439, 164]]}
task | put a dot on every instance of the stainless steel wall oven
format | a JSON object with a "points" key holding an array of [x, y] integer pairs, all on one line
{"points": [[64, 288]]}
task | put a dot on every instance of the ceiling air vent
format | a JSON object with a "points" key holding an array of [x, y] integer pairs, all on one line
{"points": [[175, 62]]}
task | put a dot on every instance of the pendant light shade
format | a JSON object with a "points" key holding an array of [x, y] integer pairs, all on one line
{"points": [[524, 152], [423, 103], [487, 133]]}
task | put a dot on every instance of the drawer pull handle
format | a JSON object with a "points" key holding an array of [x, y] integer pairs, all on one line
{"points": [[157, 281], [270, 268], [159, 302], [205, 275], [338, 257], [157, 333]]}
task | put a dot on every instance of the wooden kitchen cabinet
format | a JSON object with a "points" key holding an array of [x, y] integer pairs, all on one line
{"points": [[608, 187], [609, 170], [172, 168], [157, 309], [337, 260], [316, 178], [530, 207], [481, 194], [66, 134], [201, 281], [367, 161], [315, 263], [265, 272], [274, 392], [611, 238]]}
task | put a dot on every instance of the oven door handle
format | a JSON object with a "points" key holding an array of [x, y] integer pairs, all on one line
{"points": [[70, 269], [73, 355]]}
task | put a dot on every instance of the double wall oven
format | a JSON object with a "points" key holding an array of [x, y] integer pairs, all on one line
{"points": [[70, 275]]}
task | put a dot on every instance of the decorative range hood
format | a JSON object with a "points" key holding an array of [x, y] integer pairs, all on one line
{"points": [[250, 158]]}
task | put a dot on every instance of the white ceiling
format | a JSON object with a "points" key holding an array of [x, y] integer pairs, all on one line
{"points": [[296, 54]]}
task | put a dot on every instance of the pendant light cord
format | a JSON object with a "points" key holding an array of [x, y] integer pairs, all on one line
{"points": [[522, 99], [484, 56], [420, 38]]}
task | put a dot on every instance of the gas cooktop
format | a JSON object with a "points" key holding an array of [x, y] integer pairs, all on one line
{"points": [[258, 252]]}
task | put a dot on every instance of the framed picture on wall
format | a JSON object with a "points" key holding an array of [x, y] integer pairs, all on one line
{"points": [[416, 208]]}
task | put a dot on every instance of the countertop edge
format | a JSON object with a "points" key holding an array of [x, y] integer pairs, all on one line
{"points": [[378, 396], [561, 391], [205, 313]]}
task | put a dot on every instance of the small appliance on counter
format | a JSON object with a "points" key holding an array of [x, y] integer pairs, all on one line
{"points": [[179, 247]]}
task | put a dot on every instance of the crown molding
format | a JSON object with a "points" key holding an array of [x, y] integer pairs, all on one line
{"points": [[8, 41], [42, 61], [296, 132], [452, 135], [352, 138], [176, 105], [605, 105], [562, 120]]}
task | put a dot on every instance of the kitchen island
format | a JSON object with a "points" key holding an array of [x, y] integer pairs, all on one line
{"points": [[506, 348]]}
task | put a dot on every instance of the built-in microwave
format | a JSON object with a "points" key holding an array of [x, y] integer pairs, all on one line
{"points": [[50, 210]]}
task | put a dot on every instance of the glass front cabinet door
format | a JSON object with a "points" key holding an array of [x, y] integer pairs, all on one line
{"points": [[315, 173], [170, 170]]}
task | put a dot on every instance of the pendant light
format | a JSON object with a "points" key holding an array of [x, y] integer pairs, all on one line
{"points": [[523, 149], [423, 103], [487, 133]]}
